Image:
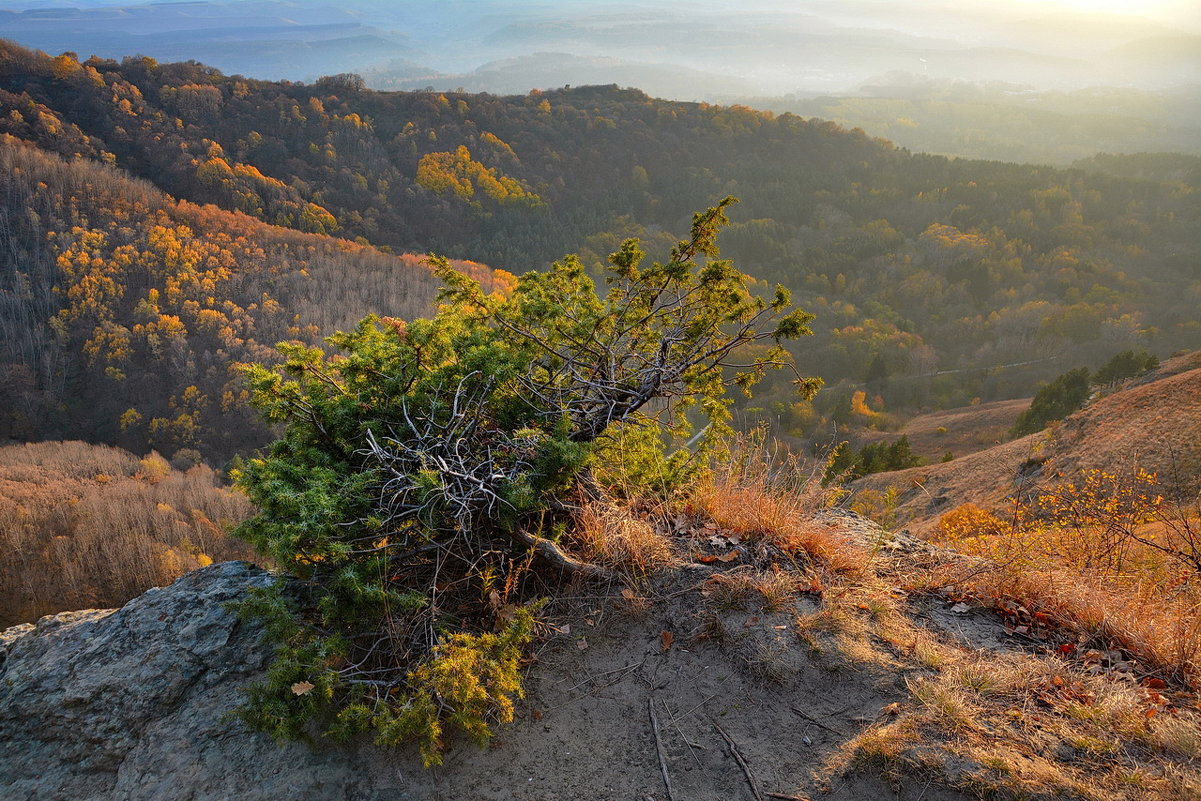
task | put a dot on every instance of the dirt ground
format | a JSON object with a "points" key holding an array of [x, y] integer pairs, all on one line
{"points": [[733, 677]]}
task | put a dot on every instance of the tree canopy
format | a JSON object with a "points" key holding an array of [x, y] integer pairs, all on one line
{"points": [[418, 465]]}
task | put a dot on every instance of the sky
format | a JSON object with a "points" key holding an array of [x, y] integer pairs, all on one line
{"points": [[686, 50]]}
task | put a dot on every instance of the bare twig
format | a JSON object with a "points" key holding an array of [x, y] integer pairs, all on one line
{"points": [[680, 732], [650, 708], [746, 770], [817, 722], [622, 670], [698, 706], [786, 797]]}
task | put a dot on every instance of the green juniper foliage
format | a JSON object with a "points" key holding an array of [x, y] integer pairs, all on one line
{"points": [[878, 457], [1127, 364], [1055, 401], [424, 470]]}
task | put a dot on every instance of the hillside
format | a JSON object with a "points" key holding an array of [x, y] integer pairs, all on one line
{"points": [[959, 432], [926, 273], [1152, 423], [91, 525], [123, 311]]}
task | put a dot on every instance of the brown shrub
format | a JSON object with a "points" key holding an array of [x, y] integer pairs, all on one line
{"points": [[93, 526]]}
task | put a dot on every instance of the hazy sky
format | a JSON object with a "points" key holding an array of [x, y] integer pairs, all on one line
{"points": [[688, 50]]}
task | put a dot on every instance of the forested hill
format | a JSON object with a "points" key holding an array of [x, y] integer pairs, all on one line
{"points": [[916, 265], [123, 311]]}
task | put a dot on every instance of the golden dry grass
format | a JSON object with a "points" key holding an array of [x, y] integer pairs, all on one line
{"points": [[1019, 725], [93, 526], [1007, 724], [1100, 555], [764, 495], [611, 534]]}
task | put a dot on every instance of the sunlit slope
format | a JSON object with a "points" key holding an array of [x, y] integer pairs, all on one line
{"points": [[1153, 424], [123, 311]]}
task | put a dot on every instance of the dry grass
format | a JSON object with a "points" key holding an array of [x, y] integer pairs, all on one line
{"points": [[1019, 725], [998, 724], [1005, 725], [1078, 566], [1100, 556], [612, 535], [762, 494], [93, 526]]}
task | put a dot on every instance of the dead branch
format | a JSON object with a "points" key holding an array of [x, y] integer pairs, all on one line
{"points": [[746, 770], [552, 555], [650, 708]]}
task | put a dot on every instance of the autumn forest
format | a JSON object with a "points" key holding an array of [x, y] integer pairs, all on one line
{"points": [[163, 222]]}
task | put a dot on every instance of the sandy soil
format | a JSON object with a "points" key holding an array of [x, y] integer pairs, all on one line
{"points": [[597, 692]]}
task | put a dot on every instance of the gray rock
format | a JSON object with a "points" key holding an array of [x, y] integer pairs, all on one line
{"points": [[100, 703]]}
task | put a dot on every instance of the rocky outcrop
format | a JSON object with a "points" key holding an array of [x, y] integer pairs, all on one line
{"points": [[109, 703], [133, 705]]}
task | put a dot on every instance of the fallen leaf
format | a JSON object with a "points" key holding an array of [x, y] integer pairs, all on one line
{"points": [[494, 599], [1156, 684], [666, 638], [536, 714], [734, 539], [582, 644], [303, 688], [628, 594], [750, 621], [565, 629], [725, 557], [960, 608]]}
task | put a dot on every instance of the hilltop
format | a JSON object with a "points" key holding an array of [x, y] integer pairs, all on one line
{"points": [[732, 683]]}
